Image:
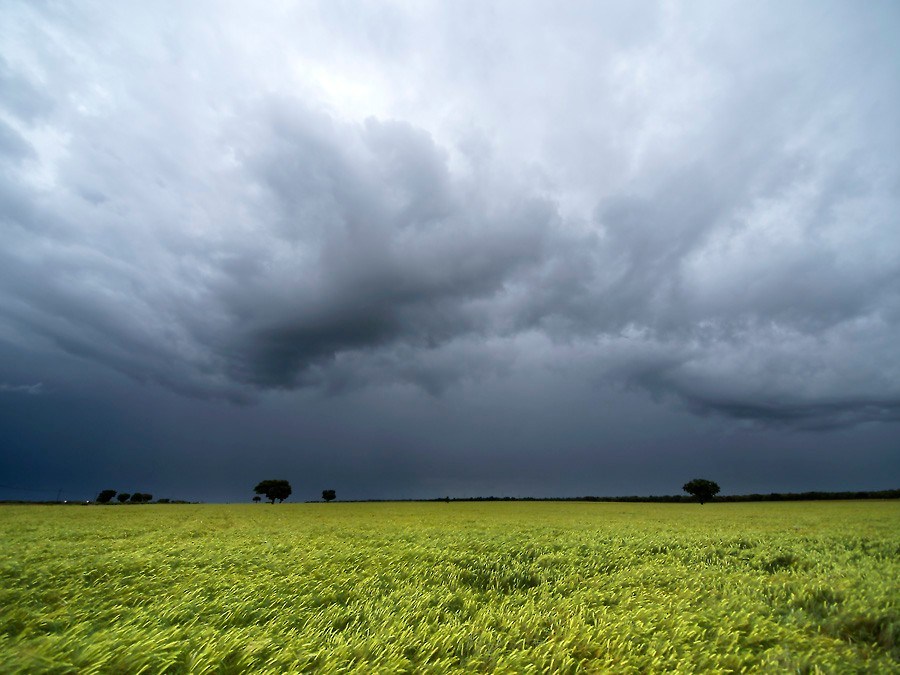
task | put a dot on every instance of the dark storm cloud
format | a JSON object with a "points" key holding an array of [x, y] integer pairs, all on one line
{"points": [[384, 246], [699, 205]]}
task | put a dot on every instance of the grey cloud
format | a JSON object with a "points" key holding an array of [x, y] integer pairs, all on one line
{"points": [[389, 247], [30, 389], [20, 96], [739, 249], [12, 145]]}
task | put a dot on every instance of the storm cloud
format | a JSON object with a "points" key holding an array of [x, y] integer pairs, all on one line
{"points": [[696, 201]]}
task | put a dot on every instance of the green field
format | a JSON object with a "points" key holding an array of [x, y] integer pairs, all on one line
{"points": [[458, 587]]}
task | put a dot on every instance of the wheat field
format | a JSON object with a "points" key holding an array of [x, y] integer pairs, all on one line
{"points": [[519, 587]]}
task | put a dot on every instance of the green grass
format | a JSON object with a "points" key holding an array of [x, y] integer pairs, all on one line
{"points": [[459, 587]]}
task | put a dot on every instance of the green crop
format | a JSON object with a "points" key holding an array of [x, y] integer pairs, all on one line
{"points": [[458, 587]]}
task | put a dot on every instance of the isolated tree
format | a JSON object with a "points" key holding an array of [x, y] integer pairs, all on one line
{"points": [[700, 488], [123, 497], [105, 496], [274, 489], [256, 498], [328, 495]]}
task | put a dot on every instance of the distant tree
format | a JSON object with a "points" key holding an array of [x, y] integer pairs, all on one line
{"points": [[328, 495], [123, 497], [274, 489], [701, 489], [105, 496], [137, 498], [147, 497], [256, 498]]}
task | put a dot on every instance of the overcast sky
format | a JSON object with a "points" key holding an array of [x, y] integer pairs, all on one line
{"points": [[411, 249]]}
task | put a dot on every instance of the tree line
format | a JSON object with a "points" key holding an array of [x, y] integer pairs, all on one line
{"points": [[699, 489], [676, 499], [106, 496], [281, 490]]}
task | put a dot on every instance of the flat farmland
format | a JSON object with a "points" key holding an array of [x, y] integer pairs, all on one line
{"points": [[454, 587]]}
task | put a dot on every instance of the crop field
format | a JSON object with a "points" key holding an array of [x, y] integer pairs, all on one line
{"points": [[461, 587]]}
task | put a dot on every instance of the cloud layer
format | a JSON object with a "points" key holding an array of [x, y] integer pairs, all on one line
{"points": [[700, 201]]}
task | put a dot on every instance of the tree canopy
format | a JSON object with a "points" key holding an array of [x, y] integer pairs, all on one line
{"points": [[274, 489], [328, 495], [105, 496], [702, 489]]}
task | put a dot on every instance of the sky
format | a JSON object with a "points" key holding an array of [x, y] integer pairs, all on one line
{"points": [[426, 249]]}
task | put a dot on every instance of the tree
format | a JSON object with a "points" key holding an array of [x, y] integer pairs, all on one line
{"points": [[137, 498], [123, 497], [105, 496], [274, 489], [256, 498], [328, 495], [702, 489]]}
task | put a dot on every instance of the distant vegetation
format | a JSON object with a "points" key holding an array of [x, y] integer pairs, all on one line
{"points": [[106, 496], [274, 489], [701, 489], [681, 499]]}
